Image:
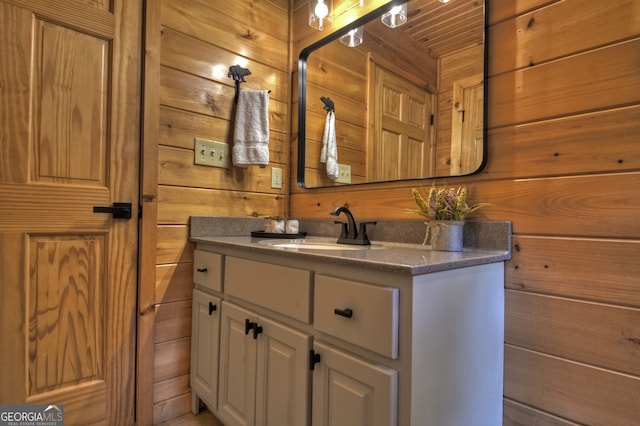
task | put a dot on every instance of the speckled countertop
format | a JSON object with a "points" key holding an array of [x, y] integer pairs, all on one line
{"points": [[484, 242]]}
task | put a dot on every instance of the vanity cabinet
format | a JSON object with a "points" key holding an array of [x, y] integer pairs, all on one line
{"points": [[205, 346], [308, 340], [348, 390], [264, 377]]}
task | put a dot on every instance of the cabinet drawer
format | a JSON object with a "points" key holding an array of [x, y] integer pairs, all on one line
{"points": [[363, 314], [207, 270], [279, 288]]}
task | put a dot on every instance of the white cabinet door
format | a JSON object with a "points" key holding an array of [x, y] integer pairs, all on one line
{"points": [[348, 391], [282, 375], [264, 370], [236, 403], [204, 349]]}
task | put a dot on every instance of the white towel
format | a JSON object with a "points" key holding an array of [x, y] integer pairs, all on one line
{"points": [[329, 153], [251, 131]]}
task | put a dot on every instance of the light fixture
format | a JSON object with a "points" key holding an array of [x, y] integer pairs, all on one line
{"points": [[396, 16], [320, 14], [353, 38]]}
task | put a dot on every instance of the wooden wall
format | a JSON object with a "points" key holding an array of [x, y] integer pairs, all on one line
{"points": [[564, 167], [340, 73], [189, 48]]}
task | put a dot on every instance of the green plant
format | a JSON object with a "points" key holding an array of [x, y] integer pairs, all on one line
{"points": [[444, 203]]}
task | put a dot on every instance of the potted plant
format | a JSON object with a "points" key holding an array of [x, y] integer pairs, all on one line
{"points": [[445, 210]]}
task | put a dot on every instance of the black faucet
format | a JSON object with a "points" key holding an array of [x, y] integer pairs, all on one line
{"points": [[350, 234]]}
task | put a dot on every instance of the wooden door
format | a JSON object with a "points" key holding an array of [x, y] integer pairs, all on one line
{"points": [[237, 394], [69, 141], [467, 136], [400, 140], [282, 375], [349, 391]]}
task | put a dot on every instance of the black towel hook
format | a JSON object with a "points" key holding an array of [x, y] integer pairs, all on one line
{"points": [[328, 104], [238, 73]]}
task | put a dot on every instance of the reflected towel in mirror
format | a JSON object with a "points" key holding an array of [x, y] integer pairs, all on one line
{"points": [[329, 153], [251, 130]]}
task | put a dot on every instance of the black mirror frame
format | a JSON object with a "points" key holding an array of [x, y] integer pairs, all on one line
{"points": [[302, 89]]}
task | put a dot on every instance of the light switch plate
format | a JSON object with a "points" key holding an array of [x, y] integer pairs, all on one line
{"points": [[276, 177], [211, 153], [344, 173]]}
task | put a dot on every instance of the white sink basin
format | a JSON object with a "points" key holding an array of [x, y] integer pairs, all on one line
{"points": [[304, 244]]}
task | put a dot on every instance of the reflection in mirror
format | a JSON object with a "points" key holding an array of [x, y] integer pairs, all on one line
{"points": [[408, 101]]}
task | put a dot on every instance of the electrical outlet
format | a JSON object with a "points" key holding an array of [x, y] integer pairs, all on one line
{"points": [[344, 173], [211, 153], [276, 177]]}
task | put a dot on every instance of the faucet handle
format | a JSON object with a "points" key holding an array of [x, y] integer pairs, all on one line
{"points": [[345, 229], [362, 235]]}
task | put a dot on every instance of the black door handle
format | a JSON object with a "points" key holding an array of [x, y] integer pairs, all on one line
{"points": [[118, 210]]}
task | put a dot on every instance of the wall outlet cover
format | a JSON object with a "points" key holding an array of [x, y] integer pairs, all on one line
{"points": [[211, 153], [344, 173], [276, 177]]}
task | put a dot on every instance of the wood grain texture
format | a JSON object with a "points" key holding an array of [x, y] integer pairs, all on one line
{"points": [[194, 56], [173, 321], [167, 389], [556, 88], [176, 167], [65, 298], [584, 268], [592, 333], [174, 282], [177, 204], [256, 33], [174, 245], [195, 44], [72, 94], [148, 223], [172, 359], [563, 24], [604, 141], [16, 38], [563, 166], [515, 414], [571, 390], [74, 15]]}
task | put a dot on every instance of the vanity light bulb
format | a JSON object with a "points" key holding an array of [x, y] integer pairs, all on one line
{"points": [[353, 38], [321, 10], [320, 14], [396, 16]]}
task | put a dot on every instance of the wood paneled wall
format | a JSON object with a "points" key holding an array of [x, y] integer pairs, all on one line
{"points": [[189, 47], [564, 167]]}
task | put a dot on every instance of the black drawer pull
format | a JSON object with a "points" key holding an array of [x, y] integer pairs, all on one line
{"points": [[347, 313], [248, 325], [256, 330], [212, 307], [201, 269]]}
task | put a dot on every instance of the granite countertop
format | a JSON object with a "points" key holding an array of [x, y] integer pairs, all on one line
{"points": [[484, 242]]}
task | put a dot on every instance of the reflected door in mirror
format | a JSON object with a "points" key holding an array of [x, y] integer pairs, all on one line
{"points": [[401, 131]]}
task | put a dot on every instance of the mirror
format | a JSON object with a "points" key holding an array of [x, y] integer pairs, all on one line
{"points": [[409, 102]]}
